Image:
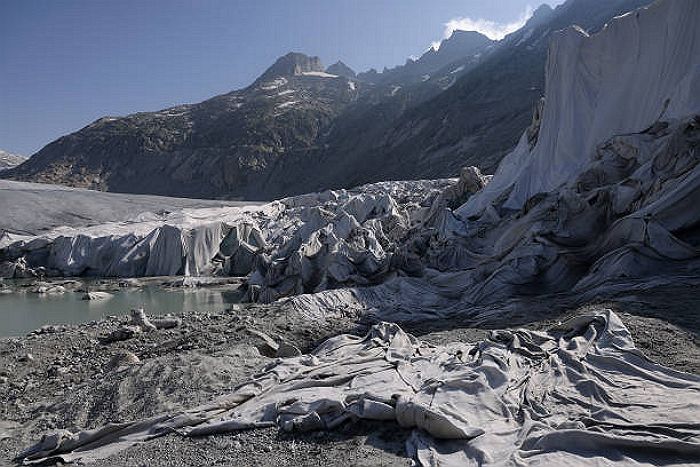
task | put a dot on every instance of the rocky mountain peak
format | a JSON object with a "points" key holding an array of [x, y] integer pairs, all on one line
{"points": [[9, 160], [542, 10], [459, 45], [293, 64], [341, 69], [539, 16], [465, 39]]}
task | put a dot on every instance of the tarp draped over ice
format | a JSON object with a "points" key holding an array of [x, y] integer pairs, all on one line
{"points": [[630, 216], [562, 397], [295, 245], [643, 67], [164, 251], [350, 240], [602, 190]]}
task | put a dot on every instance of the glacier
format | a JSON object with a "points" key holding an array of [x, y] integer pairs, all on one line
{"points": [[600, 194]]}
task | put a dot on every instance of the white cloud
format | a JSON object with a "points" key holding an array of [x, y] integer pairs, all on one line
{"points": [[488, 28]]}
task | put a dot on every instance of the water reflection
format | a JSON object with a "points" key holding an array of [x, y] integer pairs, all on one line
{"points": [[22, 312]]}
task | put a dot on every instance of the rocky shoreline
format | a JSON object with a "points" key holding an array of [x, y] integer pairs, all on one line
{"points": [[70, 377]]}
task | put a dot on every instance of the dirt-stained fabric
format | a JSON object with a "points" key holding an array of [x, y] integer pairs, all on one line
{"points": [[576, 394]]}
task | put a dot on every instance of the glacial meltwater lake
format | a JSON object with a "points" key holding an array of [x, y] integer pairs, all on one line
{"points": [[25, 310]]}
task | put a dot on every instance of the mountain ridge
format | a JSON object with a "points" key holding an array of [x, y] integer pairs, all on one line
{"points": [[460, 45], [299, 127], [479, 118]]}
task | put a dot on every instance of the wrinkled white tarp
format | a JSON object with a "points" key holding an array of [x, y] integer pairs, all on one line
{"points": [[295, 245], [630, 217], [642, 67], [578, 394]]}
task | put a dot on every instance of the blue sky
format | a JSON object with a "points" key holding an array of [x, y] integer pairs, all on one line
{"points": [[66, 63]]}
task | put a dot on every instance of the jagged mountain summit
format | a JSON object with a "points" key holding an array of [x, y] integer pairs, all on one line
{"points": [[460, 49], [292, 64], [9, 160], [341, 69], [300, 127]]}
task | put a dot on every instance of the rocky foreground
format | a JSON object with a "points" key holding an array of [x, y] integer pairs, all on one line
{"points": [[73, 377]]}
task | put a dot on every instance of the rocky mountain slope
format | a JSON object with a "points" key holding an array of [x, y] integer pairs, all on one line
{"points": [[299, 128], [9, 160], [229, 145], [474, 119]]}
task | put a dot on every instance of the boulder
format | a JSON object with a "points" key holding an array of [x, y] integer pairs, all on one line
{"points": [[139, 318], [96, 295]]}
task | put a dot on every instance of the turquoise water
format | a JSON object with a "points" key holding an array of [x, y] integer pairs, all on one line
{"points": [[22, 312]]}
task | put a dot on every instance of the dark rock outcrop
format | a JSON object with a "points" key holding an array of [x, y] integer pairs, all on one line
{"points": [[292, 64]]}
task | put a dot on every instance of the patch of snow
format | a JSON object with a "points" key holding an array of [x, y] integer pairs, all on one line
{"points": [[351, 85], [9, 160], [447, 83], [284, 105], [425, 77], [172, 112], [286, 92], [274, 84], [319, 74], [395, 90], [457, 70]]}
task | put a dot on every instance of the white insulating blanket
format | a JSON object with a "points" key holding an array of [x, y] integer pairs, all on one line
{"points": [[576, 395]]}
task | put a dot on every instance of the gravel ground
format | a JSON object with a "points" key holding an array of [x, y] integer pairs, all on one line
{"points": [[66, 377]]}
